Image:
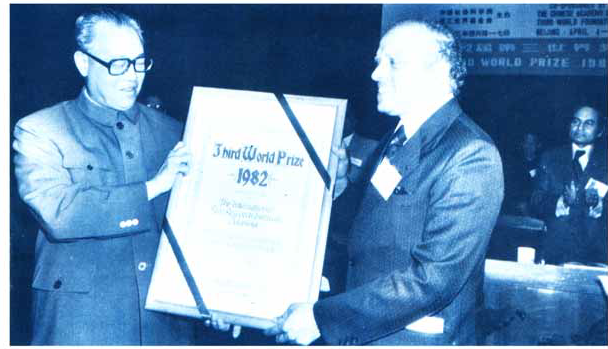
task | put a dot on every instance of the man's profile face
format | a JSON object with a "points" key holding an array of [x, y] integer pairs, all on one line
{"points": [[403, 73], [112, 42], [584, 127]]}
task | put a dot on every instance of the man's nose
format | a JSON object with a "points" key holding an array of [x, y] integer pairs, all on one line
{"points": [[130, 73], [376, 73]]}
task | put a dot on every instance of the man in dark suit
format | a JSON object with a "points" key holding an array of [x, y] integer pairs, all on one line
{"points": [[418, 240], [95, 171], [573, 208], [521, 170]]}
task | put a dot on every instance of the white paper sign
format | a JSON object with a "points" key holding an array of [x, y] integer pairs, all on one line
{"points": [[601, 187]]}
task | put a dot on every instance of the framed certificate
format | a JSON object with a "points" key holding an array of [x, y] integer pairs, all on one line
{"points": [[251, 218]]}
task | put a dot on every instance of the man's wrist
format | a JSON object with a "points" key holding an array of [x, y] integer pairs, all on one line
{"points": [[152, 189]]}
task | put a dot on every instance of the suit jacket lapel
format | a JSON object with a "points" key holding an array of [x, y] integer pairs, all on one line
{"points": [[376, 157], [596, 160], [596, 167], [407, 160]]}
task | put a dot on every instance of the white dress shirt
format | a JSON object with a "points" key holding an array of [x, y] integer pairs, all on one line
{"points": [[583, 160]]}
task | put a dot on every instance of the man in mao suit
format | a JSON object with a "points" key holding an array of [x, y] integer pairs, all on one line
{"points": [[416, 247], [95, 171], [575, 215]]}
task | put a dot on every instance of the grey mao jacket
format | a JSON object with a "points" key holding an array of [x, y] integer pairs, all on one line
{"points": [[82, 168]]}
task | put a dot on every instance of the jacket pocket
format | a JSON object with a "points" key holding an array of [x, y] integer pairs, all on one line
{"points": [[64, 267], [88, 169]]}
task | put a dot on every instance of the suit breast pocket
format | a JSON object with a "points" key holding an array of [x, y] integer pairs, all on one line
{"points": [[90, 170]]}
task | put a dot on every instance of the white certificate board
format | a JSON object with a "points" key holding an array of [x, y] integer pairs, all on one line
{"points": [[251, 218]]}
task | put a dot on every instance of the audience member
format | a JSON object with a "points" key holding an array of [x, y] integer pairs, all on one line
{"points": [[570, 195], [520, 172]]}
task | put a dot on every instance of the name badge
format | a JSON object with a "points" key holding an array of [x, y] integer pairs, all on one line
{"points": [[386, 178], [355, 161]]}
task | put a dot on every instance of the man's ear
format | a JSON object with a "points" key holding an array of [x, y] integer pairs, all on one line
{"points": [[82, 63], [602, 125]]}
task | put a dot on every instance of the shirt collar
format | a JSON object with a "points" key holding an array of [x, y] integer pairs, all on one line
{"points": [[104, 115], [588, 148], [412, 123]]}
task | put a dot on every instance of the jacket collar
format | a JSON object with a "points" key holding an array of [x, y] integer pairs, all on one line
{"points": [[597, 156], [424, 140], [104, 115], [429, 134]]}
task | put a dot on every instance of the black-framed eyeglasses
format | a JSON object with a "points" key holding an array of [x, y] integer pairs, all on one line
{"points": [[119, 66]]}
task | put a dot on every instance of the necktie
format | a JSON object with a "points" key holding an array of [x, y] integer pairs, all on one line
{"points": [[579, 210], [577, 169], [397, 141]]}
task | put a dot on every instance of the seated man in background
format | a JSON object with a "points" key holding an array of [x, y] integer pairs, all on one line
{"points": [[568, 194]]}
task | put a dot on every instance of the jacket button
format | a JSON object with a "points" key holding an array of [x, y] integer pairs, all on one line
{"points": [[120, 125], [57, 284], [351, 263], [142, 266], [129, 154], [89, 167]]}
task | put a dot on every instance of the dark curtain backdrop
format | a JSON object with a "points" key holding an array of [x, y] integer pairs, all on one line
{"points": [[319, 50]]}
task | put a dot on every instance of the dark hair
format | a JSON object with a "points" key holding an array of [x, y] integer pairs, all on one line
{"points": [[85, 25], [448, 49]]}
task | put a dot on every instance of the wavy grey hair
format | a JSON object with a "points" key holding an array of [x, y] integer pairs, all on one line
{"points": [[85, 25]]}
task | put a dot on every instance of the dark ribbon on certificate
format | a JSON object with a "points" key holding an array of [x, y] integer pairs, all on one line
{"points": [[181, 260], [304, 139]]}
